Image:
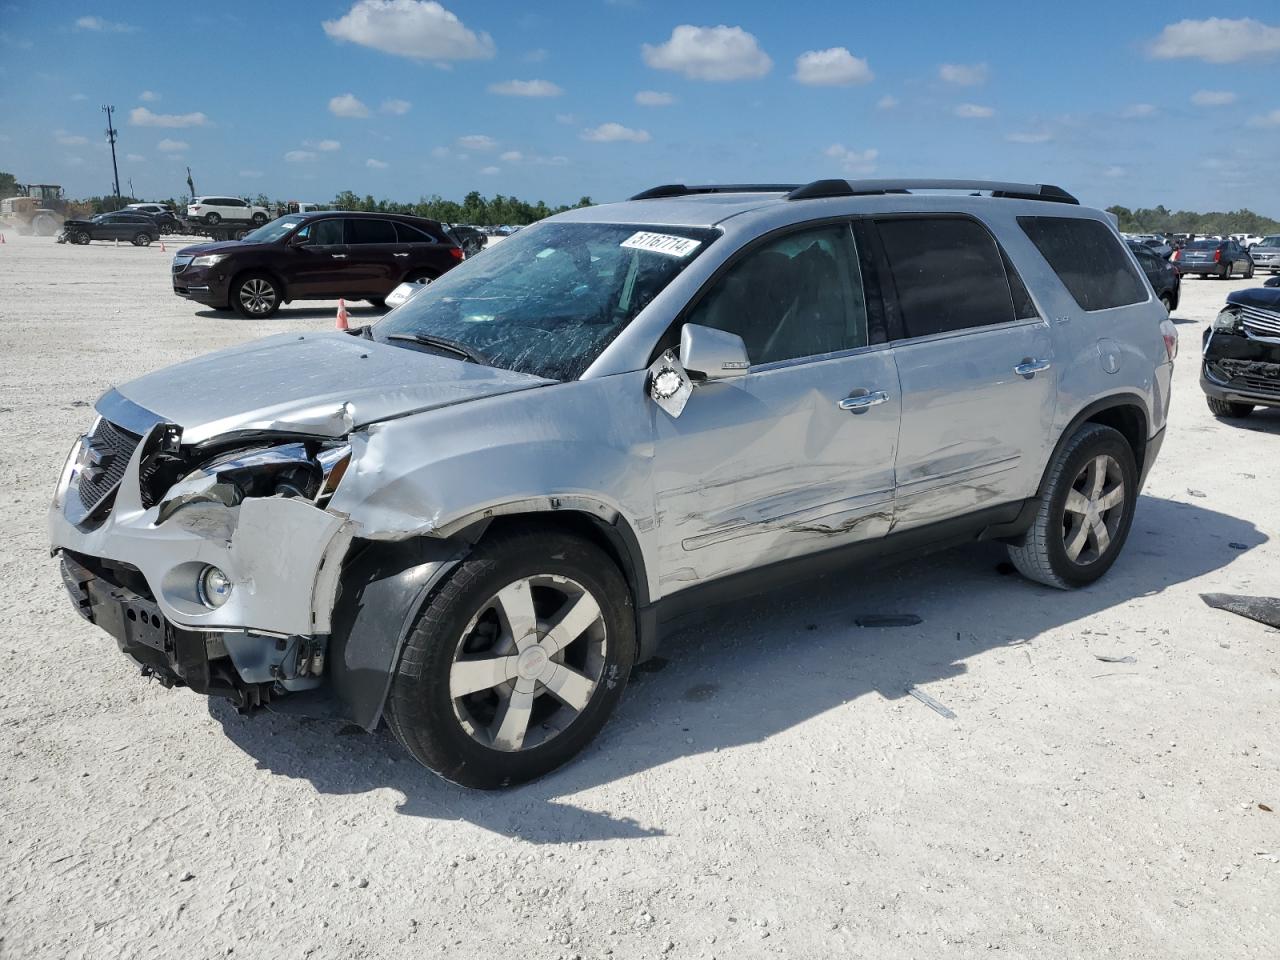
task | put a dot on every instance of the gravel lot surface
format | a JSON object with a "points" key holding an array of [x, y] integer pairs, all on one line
{"points": [[766, 790]]}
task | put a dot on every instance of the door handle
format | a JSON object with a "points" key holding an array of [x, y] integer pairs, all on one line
{"points": [[1029, 368], [338, 256], [863, 401], [401, 254]]}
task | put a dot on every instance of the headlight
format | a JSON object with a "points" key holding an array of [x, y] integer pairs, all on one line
{"points": [[213, 587], [208, 260], [69, 470], [1227, 320]]}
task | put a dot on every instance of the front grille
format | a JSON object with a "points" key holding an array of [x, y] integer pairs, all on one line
{"points": [[1250, 376], [1259, 322], [105, 460]]}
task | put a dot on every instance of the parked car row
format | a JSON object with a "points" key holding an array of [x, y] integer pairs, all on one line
{"points": [[1213, 258]]}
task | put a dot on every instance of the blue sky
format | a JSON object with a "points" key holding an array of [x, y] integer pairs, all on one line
{"points": [[1137, 102]]}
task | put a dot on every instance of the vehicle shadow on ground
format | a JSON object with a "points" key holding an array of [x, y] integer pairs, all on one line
{"points": [[356, 311], [743, 673], [1262, 420]]}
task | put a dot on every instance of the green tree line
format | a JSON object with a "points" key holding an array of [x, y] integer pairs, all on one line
{"points": [[474, 208], [1161, 220]]}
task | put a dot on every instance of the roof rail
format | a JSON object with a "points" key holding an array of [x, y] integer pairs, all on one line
{"points": [[997, 188], [680, 190]]}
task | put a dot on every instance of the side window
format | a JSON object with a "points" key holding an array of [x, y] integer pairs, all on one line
{"points": [[1087, 257], [323, 233], [370, 231], [800, 295], [950, 275], [408, 234]]}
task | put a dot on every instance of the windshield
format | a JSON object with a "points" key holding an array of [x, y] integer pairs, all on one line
{"points": [[1269, 242], [1204, 244], [273, 231], [550, 298]]}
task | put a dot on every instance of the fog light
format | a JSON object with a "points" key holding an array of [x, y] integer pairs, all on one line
{"points": [[213, 587]]}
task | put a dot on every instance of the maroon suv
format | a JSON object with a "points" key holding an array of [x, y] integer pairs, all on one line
{"points": [[314, 256]]}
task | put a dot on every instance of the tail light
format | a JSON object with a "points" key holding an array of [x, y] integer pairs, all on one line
{"points": [[1170, 334], [456, 253], [1217, 256], [1177, 255]]}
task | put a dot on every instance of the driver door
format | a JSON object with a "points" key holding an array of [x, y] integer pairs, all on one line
{"points": [[317, 265], [779, 463]]}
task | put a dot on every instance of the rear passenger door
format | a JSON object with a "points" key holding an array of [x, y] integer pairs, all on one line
{"points": [[975, 362], [372, 265]]}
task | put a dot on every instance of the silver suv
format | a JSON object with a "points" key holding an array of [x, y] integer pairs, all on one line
{"points": [[472, 517]]}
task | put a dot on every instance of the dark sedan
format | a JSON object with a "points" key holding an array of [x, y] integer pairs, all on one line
{"points": [[1241, 363], [1213, 258], [1165, 280], [136, 228], [315, 256]]}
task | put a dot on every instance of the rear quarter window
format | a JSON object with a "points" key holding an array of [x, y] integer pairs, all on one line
{"points": [[1088, 259]]}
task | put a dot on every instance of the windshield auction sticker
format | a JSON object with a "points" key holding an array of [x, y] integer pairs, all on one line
{"points": [[661, 243]]}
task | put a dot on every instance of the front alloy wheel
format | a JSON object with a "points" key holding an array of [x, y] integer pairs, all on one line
{"points": [[255, 296], [515, 664]]}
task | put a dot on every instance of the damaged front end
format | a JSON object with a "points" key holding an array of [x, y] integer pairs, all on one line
{"points": [[214, 566], [1241, 362]]}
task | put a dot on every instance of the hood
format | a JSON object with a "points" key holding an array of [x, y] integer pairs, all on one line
{"points": [[323, 384], [77, 223], [221, 246], [1264, 298]]}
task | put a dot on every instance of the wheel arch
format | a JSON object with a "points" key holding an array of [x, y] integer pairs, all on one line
{"points": [[275, 275], [385, 583], [1124, 412]]}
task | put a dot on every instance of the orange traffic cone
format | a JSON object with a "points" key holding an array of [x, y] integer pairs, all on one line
{"points": [[162, 246], [2, 240], [341, 322]]}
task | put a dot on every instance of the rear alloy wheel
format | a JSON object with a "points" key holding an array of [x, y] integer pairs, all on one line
{"points": [[1085, 510], [212, 218], [1248, 275], [1228, 410], [259, 218], [142, 240], [517, 662], [1167, 301], [1225, 273], [255, 296]]}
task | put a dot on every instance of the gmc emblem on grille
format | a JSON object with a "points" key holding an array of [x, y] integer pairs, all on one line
{"points": [[96, 461]]}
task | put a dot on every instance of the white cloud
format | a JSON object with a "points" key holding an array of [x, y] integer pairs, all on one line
{"points": [[887, 102], [142, 117], [79, 96], [98, 25], [441, 153], [709, 53], [348, 105], [1213, 98], [172, 146], [1271, 119], [512, 156], [69, 139], [973, 111], [1136, 111], [477, 141], [836, 67], [300, 156], [250, 174], [964, 74], [490, 171], [410, 28], [614, 132], [526, 88], [395, 107], [568, 119], [1030, 136], [327, 146], [535, 56], [860, 162], [654, 98], [373, 164], [1114, 172], [1217, 40], [148, 96], [135, 158]]}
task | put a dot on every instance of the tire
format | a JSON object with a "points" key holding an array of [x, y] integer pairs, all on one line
{"points": [[80, 237], [1228, 410], [418, 276], [458, 738], [1249, 273], [1225, 273], [1044, 552], [142, 240], [259, 218], [212, 218], [255, 295], [1168, 302], [378, 303], [44, 225]]}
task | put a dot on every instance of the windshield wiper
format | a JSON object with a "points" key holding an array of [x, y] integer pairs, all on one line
{"points": [[444, 343]]}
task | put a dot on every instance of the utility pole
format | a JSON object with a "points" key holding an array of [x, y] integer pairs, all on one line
{"points": [[111, 139]]}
